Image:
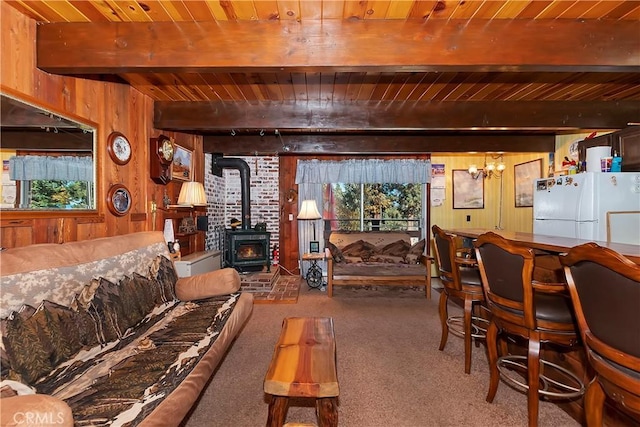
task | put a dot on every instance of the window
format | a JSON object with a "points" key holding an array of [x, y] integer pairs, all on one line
{"points": [[55, 194], [46, 180], [366, 207]]}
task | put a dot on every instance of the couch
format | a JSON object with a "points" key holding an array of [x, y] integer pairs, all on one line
{"points": [[102, 332], [376, 258]]}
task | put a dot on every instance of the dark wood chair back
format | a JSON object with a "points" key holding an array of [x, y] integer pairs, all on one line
{"points": [[605, 290], [507, 272], [445, 252]]}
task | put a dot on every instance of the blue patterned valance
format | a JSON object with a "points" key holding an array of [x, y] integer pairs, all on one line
{"points": [[63, 168], [364, 171]]}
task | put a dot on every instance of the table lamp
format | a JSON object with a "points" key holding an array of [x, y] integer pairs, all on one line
{"points": [[309, 211], [192, 194]]}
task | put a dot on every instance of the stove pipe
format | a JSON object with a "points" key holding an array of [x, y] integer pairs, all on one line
{"points": [[218, 163]]}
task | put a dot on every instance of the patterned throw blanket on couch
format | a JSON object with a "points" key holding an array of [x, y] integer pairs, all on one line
{"points": [[117, 348]]}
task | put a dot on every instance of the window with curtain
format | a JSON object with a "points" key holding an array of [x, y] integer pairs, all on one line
{"points": [[390, 187], [52, 182]]}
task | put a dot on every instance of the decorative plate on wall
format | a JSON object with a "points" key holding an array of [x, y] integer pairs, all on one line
{"points": [[119, 200], [119, 148]]}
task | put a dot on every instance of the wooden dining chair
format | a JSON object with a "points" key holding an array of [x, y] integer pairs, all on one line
{"points": [[605, 290], [538, 312], [459, 274]]}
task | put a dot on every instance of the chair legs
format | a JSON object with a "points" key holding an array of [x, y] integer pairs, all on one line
{"points": [[594, 403], [467, 332], [501, 362], [468, 308], [443, 319], [533, 379], [533, 371], [492, 350]]}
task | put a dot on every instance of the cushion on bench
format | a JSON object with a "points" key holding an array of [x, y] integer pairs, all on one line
{"points": [[374, 247]]}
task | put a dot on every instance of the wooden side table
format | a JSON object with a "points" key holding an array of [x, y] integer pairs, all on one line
{"points": [[304, 365], [314, 274]]}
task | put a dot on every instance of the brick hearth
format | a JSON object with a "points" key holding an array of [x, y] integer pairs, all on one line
{"points": [[260, 281]]}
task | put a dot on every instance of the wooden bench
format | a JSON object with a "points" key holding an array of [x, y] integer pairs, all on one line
{"points": [[377, 258], [423, 278], [304, 365]]}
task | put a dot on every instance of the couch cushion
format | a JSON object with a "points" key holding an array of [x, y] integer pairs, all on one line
{"points": [[416, 251], [37, 339], [124, 381], [336, 253], [56, 273], [372, 246]]}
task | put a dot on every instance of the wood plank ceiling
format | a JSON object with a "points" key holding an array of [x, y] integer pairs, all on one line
{"points": [[376, 68]]}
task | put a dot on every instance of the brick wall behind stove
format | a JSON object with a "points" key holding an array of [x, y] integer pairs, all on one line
{"points": [[214, 187], [224, 194]]}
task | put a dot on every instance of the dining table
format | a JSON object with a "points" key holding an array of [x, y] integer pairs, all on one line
{"points": [[551, 244]]}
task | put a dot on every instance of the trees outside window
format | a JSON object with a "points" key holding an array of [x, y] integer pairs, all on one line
{"points": [[45, 194], [384, 207]]}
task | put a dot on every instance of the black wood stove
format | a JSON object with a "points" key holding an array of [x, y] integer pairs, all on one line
{"points": [[245, 249]]}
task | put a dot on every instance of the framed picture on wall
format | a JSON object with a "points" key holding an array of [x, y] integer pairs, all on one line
{"points": [[182, 167], [524, 174], [468, 192]]}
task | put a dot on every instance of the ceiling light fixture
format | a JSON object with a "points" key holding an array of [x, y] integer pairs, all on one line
{"points": [[490, 169]]}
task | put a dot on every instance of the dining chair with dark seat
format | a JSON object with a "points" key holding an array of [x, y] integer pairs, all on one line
{"points": [[460, 277], [605, 290], [538, 312]]}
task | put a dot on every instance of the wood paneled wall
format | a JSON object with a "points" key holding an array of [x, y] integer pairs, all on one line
{"points": [[288, 243], [110, 107]]}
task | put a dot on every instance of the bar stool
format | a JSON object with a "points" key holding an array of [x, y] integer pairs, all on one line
{"points": [[538, 312], [460, 277], [605, 290]]}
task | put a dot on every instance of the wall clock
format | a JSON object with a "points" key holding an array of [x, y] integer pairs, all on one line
{"points": [[161, 153], [119, 148], [119, 200]]}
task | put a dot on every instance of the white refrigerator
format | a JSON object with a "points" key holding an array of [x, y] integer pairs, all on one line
{"points": [[591, 206]]}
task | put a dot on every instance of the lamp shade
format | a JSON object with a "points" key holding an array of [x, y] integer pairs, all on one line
{"points": [[309, 210], [192, 194]]}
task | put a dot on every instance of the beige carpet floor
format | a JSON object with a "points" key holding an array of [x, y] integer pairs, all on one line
{"points": [[389, 367]]}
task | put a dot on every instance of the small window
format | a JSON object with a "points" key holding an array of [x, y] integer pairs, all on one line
{"points": [[44, 194]]}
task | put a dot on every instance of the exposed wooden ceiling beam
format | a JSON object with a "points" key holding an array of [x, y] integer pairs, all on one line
{"points": [[369, 45], [215, 116], [243, 144]]}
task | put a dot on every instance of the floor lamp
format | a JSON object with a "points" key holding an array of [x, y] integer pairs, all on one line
{"points": [[309, 211]]}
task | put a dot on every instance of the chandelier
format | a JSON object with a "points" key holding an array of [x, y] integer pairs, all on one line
{"points": [[490, 169]]}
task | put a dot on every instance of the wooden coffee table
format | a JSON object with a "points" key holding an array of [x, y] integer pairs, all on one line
{"points": [[304, 365]]}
